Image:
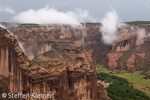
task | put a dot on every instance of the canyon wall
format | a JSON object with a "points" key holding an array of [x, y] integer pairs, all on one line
{"points": [[66, 79], [44, 42], [12, 61], [38, 39], [128, 45]]}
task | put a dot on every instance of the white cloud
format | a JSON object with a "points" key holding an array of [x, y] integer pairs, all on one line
{"points": [[48, 15], [82, 15], [110, 23], [45, 16], [7, 9]]}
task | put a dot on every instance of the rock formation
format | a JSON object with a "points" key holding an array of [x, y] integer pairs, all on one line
{"points": [[12, 61], [45, 42], [66, 79], [128, 45], [38, 39]]}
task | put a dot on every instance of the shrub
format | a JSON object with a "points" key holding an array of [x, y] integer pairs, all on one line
{"points": [[120, 89]]}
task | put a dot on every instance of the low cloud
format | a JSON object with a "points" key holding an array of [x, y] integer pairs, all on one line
{"points": [[109, 27], [2, 26], [48, 15], [7, 9], [110, 24], [82, 15]]}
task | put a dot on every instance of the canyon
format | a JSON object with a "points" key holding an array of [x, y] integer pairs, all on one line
{"points": [[60, 59], [66, 79], [82, 43]]}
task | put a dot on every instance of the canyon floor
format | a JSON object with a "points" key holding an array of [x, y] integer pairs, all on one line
{"points": [[136, 79]]}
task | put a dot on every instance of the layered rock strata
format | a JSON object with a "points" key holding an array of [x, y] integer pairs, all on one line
{"points": [[12, 61], [66, 79]]}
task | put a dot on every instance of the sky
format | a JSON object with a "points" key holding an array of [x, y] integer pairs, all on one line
{"points": [[72, 11]]}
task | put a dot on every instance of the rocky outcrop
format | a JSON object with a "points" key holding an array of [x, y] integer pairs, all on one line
{"points": [[38, 39], [66, 79], [79, 55], [130, 63], [113, 57], [129, 38], [124, 43], [12, 62]]}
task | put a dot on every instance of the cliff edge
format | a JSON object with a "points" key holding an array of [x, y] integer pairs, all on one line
{"points": [[66, 79]]}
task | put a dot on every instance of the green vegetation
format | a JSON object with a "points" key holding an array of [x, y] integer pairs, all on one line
{"points": [[29, 24], [120, 89], [101, 68], [64, 55], [75, 68], [83, 65], [138, 22], [91, 24], [99, 83], [136, 78], [5, 31], [132, 22]]}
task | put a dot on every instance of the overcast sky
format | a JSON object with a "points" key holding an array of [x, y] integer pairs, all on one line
{"points": [[83, 10]]}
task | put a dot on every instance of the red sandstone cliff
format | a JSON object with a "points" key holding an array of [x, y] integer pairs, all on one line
{"points": [[65, 79], [12, 61], [128, 45], [39, 40]]}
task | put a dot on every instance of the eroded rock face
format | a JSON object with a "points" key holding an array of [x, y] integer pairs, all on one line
{"points": [[38, 39], [113, 57], [65, 79], [124, 43], [130, 63], [12, 61], [71, 41], [131, 38], [79, 55]]}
